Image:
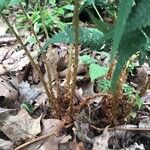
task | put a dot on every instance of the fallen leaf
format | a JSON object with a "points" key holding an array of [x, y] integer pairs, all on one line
{"points": [[101, 142], [7, 39], [3, 27], [4, 113], [27, 93], [20, 126], [6, 145], [51, 125], [16, 60], [135, 147], [144, 122], [74, 145], [8, 94]]}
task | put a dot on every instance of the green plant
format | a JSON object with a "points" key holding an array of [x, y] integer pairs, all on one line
{"points": [[89, 37], [132, 95], [104, 85], [28, 107], [130, 37], [95, 70], [50, 17]]}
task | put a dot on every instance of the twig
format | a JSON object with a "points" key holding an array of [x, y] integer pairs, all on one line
{"points": [[121, 128], [35, 140], [97, 12]]}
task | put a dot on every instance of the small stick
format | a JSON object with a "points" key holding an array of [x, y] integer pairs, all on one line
{"points": [[35, 140], [121, 128]]}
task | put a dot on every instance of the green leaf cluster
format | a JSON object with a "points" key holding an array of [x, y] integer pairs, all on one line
{"points": [[132, 95], [95, 70]]}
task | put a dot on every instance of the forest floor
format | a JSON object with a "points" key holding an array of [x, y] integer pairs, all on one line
{"points": [[25, 116]]}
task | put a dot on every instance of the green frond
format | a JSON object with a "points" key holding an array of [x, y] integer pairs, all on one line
{"points": [[130, 44], [139, 17], [123, 13], [89, 37], [3, 4]]}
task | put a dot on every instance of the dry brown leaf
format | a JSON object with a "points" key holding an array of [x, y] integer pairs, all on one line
{"points": [[135, 147], [20, 126], [144, 122], [8, 94], [12, 60], [4, 113], [6, 52], [51, 143], [45, 144], [16, 61], [74, 145], [51, 125], [146, 97], [88, 88], [101, 142]]}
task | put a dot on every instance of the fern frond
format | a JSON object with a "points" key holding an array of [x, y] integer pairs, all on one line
{"points": [[101, 25], [3, 4], [89, 37], [139, 17], [124, 10], [130, 44]]}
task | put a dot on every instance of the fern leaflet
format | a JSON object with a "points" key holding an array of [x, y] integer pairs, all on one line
{"points": [[124, 10], [89, 37]]}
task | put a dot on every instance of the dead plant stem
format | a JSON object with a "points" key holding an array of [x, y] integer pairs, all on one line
{"points": [[48, 66], [68, 78], [29, 56], [52, 98], [121, 128], [76, 52]]}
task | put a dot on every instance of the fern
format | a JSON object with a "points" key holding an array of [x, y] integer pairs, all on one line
{"points": [[135, 38], [89, 37], [101, 25], [139, 18], [124, 10], [130, 44], [3, 4]]}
